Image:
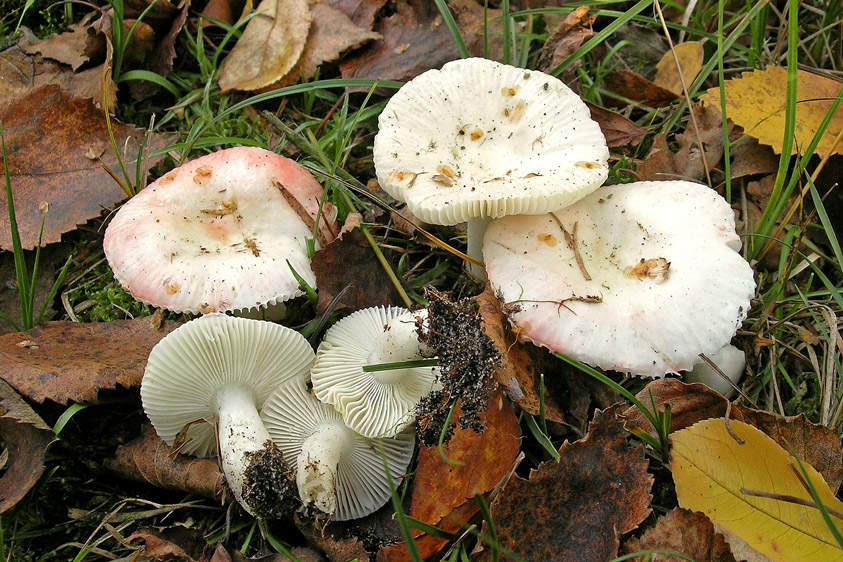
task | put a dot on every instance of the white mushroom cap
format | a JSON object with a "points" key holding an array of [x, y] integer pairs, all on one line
{"points": [[380, 403], [337, 470], [730, 360], [216, 233], [666, 280], [483, 139], [218, 370]]}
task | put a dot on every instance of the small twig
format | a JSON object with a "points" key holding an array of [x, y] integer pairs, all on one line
{"points": [[729, 427], [571, 240], [789, 499]]}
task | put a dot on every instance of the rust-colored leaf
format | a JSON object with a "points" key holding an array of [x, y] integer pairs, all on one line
{"points": [[148, 459], [520, 366], [68, 48], [361, 12], [635, 87], [683, 531], [443, 492], [691, 403], [67, 361], [350, 262], [270, 46], [50, 138], [26, 438], [690, 55], [331, 34], [566, 38], [172, 544], [618, 130], [564, 522]]}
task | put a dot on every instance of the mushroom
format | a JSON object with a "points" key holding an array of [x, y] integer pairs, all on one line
{"points": [[206, 381], [639, 278], [380, 403], [338, 471], [217, 233], [478, 140], [730, 360]]}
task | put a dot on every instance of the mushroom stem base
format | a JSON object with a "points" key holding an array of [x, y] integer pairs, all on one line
{"points": [[317, 464], [475, 231]]}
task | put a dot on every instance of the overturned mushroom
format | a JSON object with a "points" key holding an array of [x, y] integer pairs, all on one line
{"points": [[217, 233], [478, 140], [337, 470], [205, 383], [639, 278], [381, 403]]}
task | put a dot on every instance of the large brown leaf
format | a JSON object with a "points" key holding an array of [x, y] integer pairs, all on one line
{"points": [[443, 492], [26, 438], [577, 508], [54, 142], [67, 361], [683, 531]]}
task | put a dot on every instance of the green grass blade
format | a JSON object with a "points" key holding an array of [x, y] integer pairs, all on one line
{"points": [[400, 516], [54, 290], [20, 263], [721, 8], [826, 224], [149, 77], [66, 415], [542, 437], [448, 18]]}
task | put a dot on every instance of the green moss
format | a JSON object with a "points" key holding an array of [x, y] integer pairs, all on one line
{"points": [[100, 298]]}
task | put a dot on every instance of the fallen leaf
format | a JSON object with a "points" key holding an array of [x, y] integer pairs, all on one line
{"points": [[172, 544], [160, 60], [686, 532], [520, 366], [48, 136], [756, 101], [443, 492], [336, 548], [50, 261], [226, 11], [68, 47], [749, 158], [691, 403], [331, 34], [66, 361], [635, 87], [147, 459], [690, 55], [566, 38], [270, 46], [618, 130], [361, 12], [563, 521], [713, 472], [687, 163], [350, 262], [26, 438]]}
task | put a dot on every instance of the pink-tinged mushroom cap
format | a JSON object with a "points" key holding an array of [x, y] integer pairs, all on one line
{"points": [[639, 278], [482, 139], [216, 233]]}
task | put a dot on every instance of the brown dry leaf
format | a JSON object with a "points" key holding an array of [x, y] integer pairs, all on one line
{"points": [[160, 60], [337, 549], [749, 158], [226, 11], [172, 544], [563, 521], [350, 262], [691, 403], [687, 163], [756, 102], [690, 55], [147, 459], [415, 39], [331, 34], [270, 46], [618, 130], [68, 48], [683, 531], [443, 493], [361, 12], [67, 361], [635, 87], [566, 38], [520, 366], [26, 438], [49, 135]]}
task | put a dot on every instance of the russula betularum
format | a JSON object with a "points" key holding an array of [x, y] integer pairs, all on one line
{"points": [[205, 383], [477, 140]]}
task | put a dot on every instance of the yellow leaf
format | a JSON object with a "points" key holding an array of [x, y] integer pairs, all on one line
{"points": [[270, 46], [690, 55], [756, 102], [713, 472]]}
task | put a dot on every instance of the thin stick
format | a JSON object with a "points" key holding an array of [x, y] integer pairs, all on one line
{"points": [[571, 240], [789, 499]]}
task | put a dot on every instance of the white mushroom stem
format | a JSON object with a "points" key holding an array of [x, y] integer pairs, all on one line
{"points": [[241, 431], [475, 230], [316, 472]]}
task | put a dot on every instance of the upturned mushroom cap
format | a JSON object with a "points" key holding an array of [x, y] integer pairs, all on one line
{"points": [[338, 471], [193, 363], [216, 233], [483, 139], [640, 278], [376, 404], [730, 360]]}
